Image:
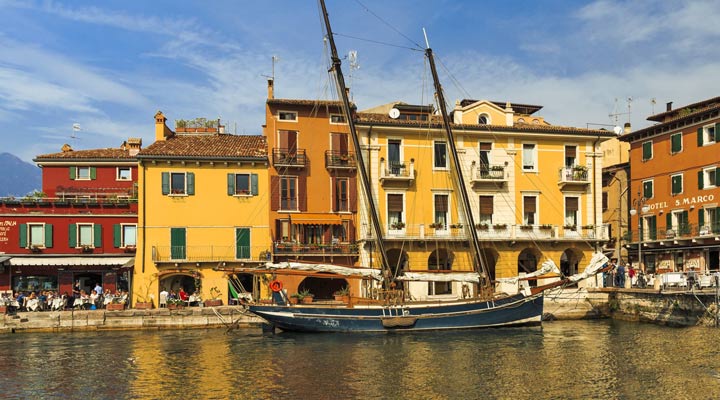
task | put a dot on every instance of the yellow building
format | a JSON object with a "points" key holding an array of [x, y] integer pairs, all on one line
{"points": [[203, 210], [534, 191]]}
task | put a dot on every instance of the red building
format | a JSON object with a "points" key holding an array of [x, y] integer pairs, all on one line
{"points": [[675, 189], [81, 227]]}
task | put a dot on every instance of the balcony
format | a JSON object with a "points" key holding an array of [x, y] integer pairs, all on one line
{"points": [[209, 253], [285, 158], [93, 200], [675, 234], [488, 173], [493, 232], [575, 177], [285, 249], [340, 160], [398, 171]]}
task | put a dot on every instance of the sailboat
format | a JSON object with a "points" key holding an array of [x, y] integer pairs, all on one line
{"points": [[393, 312]]}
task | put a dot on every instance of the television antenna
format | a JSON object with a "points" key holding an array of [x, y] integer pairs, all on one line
{"points": [[653, 102], [352, 59], [275, 59], [615, 114], [75, 129]]}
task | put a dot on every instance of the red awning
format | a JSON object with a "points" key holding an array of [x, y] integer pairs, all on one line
{"points": [[316, 219]]}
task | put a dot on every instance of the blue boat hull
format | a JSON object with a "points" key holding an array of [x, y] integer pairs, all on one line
{"points": [[512, 311]]}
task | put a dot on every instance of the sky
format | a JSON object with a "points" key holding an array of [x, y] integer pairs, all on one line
{"points": [[109, 66]]}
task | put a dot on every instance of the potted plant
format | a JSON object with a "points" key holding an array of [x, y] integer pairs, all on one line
{"points": [[437, 225], [86, 248], [130, 248], [456, 226], [294, 298], [36, 248], [526, 227], [342, 294], [497, 168], [117, 304], [143, 298], [500, 226], [175, 303], [546, 226], [588, 226], [570, 227], [397, 225], [482, 226], [305, 296], [214, 300]]}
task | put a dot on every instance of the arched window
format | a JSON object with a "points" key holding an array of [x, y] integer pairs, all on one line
{"points": [[484, 119]]}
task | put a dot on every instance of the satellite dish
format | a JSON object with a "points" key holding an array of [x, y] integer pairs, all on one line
{"points": [[617, 129], [394, 113]]}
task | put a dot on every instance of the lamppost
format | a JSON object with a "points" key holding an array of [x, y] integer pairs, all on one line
{"points": [[639, 204]]}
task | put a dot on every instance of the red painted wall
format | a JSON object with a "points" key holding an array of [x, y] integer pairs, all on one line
{"points": [[57, 178]]}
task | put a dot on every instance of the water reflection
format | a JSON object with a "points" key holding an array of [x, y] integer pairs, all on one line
{"points": [[562, 360]]}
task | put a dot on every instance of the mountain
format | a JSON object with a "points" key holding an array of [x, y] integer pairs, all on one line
{"points": [[18, 177]]}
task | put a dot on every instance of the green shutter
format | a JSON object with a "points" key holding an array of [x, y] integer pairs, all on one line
{"points": [[700, 180], [190, 183], [177, 243], [165, 183], [652, 225], [242, 243], [48, 235], [717, 133], [93, 173], [668, 221], [685, 226], [716, 220], [648, 189], [73, 171], [676, 184], [254, 184], [647, 150], [717, 176], [231, 184], [97, 235], [23, 236], [700, 137], [701, 217], [676, 143], [117, 235], [72, 235]]}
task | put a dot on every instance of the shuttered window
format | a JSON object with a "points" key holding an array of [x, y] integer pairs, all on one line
{"points": [[395, 202], [676, 143], [571, 203], [441, 202], [648, 189], [529, 203], [647, 151], [486, 205], [677, 184]]}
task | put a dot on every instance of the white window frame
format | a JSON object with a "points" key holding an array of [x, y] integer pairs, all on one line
{"points": [[534, 155], [448, 221], [642, 150], [281, 112], [402, 214], [682, 147], [184, 190], [488, 119], [707, 174], [78, 232], [118, 176], [708, 137], [537, 208], [435, 167], [247, 193], [295, 179], [78, 177], [578, 213], [682, 184], [30, 242], [123, 242], [342, 116]]}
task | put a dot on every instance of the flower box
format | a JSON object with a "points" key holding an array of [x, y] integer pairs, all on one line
{"points": [[143, 305], [213, 303], [115, 307], [526, 227], [308, 299], [482, 226], [500, 226], [546, 227]]}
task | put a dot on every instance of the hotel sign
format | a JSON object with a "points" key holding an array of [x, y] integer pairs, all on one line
{"points": [[685, 201]]}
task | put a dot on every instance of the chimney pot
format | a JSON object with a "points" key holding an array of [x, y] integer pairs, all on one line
{"points": [[668, 106], [271, 91]]}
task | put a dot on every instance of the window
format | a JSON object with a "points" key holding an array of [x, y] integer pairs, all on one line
{"points": [[337, 119], [395, 211], [440, 260], [486, 210], [529, 210], [178, 242], [708, 178], [242, 184], [123, 174], [647, 187], [35, 235], [288, 193], [709, 220], [287, 116], [676, 143], [708, 134], [571, 211], [677, 184], [647, 151], [485, 149], [178, 183], [650, 227], [528, 156], [128, 235], [340, 232], [242, 243], [441, 211], [82, 173], [484, 119], [605, 202], [342, 192], [394, 163], [84, 235], [677, 221], [570, 156], [440, 155]]}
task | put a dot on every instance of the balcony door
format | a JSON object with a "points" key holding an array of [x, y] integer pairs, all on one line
{"points": [[394, 162]]}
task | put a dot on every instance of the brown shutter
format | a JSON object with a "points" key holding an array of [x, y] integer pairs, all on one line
{"points": [[327, 234], [485, 146], [352, 194], [274, 193], [395, 203], [343, 143], [529, 204], [334, 194], [571, 203], [441, 203], [570, 151], [486, 205], [351, 232], [278, 229], [302, 193], [283, 140]]}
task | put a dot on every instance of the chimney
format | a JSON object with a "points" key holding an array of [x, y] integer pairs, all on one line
{"points": [[162, 132], [271, 94], [627, 128], [66, 148], [347, 92], [668, 106], [134, 145]]}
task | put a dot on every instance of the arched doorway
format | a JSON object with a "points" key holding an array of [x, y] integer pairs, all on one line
{"points": [[398, 260], [569, 261], [173, 283], [440, 260], [322, 288], [490, 257], [528, 262]]}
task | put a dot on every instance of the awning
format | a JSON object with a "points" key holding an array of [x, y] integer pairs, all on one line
{"points": [[316, 219], [4, 258], [67, 261]]}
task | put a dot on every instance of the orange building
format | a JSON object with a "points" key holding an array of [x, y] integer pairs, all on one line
{"points": [[313, 187], [675, 186]]}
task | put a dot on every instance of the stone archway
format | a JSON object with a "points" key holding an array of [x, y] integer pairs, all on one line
{"points": [[528, 262], [174, 281], [440, 260], [570, 261]]}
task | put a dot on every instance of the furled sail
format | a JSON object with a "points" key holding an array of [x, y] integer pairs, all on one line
{"points": [[375, 274], [597, 262], [546, 268], [472, 277]]}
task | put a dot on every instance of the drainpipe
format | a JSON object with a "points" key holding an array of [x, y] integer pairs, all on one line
{"points": [[594, 190]]}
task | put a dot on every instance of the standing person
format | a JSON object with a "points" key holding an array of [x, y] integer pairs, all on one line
{"points": [[76, 289], [621, 276], [98, 289], [631, 275], [610, 279]]}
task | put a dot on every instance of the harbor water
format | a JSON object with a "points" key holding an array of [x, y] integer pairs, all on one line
{"points": [[601, 359]]}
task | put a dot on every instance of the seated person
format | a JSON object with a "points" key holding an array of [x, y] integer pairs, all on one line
{"points": [[183, 296]]}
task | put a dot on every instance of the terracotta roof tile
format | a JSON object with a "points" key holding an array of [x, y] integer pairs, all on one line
{"points": [[105, 154], [208, 146], [304, 102]]}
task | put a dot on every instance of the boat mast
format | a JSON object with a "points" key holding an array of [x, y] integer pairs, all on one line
{"points": [[356, 142], [456, 162]]}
